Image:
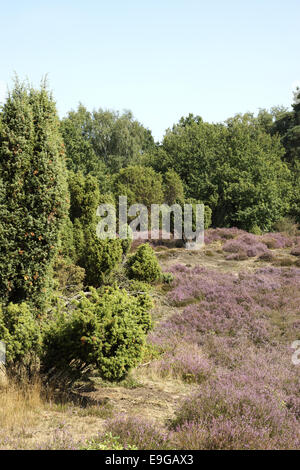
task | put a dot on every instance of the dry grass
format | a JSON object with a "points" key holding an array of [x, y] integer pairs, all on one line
{"points": [[20, 409], [19, 405]]}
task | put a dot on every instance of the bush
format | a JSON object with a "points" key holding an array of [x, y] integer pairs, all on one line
{"points": [[255, 230], [138, 287], [249, 244], [106, 330], [270, 242], [287, 225], [234, 412], [143, 265], [167, 278], [69, 276], [20, 332], [138, 432], [100, 259]]}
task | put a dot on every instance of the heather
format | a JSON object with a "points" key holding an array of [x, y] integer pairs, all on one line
{"points": [[240, 245], [231, 335], [145, 434]]}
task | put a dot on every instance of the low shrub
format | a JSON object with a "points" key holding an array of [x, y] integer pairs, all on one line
{"points": [[270, 242], [20, 331], [138, 432], [143, 265], [286, 225], [167, 278], [221, 234], [247, 243], [255, 230], [69, 276], [106, 329], [185, 361], [138, 287], [100, 258]]}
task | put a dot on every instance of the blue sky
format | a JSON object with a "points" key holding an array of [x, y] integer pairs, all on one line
{"points": [[162, 59]]}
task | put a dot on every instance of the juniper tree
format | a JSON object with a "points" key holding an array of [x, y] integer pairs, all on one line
{"points": [[33, 194], [98, 257]]}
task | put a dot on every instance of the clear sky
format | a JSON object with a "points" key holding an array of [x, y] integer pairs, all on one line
{"points": [[162, 59]]}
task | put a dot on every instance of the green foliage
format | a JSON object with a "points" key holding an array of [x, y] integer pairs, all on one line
{"points": [[69, 276], [207, 213], [20, 331], [143, 265], [287, 225], [287, 126], [140, 184], [81, 156], [106, 329], [107, 442], [255, 230], [102, 142], [66, 245], [167, 278], [126, 245], [234, 168], [98, 257], [173, 188], [84, 195], [135, 286], [33, 194]]}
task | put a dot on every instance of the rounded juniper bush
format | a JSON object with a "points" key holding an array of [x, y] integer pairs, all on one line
{"points": [[143, 265], [106, 329]]}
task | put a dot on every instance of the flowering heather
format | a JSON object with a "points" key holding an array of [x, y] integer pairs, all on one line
{"points": [[237, 411], [186, 361], [136, 431], [241, 326], [247, 244], [242, 244], [221, 234], [279, 240], [235, 433], [239, 256]]}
